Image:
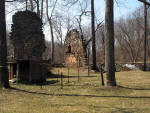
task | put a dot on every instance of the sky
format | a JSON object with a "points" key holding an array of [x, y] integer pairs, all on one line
{"points": [[122, 9]]}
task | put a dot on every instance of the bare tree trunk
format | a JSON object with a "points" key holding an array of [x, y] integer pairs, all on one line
{"points": [[145, 36], [31, 5], [51, 29], [3, 48], [42, 9], [148, 49], [103, 43], [52, 45], [93, 34], [109, 43], [38, 8], [26, 4]]}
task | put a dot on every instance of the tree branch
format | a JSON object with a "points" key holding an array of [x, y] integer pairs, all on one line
{"points": [[145, 2]]}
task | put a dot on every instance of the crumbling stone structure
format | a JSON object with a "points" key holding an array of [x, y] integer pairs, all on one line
{"points": [[27, 36], [75, 55], [28, 40]]}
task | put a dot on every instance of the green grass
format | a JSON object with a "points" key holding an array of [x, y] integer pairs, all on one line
{"points": [[86, 96]]}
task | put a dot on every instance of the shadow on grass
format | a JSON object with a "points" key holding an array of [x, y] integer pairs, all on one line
{"points": [[49, 82], [66, 76], [40, 83], [78, 95], [125, 110], [133, 88]]}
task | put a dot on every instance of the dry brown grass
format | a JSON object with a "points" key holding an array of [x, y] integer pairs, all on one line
{"points": [[86, 96]]}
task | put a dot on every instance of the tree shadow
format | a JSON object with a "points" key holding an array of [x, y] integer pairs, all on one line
{"points": [[49, 82], [65, 76], [40, 83], [77, 95], [124, 110], [133, 88]]}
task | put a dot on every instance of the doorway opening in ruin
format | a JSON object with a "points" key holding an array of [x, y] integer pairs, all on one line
{"points": [[69, 49]]}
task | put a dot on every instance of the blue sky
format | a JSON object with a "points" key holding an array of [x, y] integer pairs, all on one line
{"points": [[122, 9]]}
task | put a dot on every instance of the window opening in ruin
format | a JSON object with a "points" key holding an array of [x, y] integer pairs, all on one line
{"points": [[69, 49]]}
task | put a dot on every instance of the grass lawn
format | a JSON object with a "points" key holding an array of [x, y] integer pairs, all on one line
{"points": [[86, 96]]}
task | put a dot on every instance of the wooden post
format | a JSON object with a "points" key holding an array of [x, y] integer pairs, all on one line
{"points": [[57, 75], [68, 74], [17, 73], [88, 62], [88, 71], [61, 80], [78, 68], [102, 77], [41, 84], [10, 72], [78, 74]]}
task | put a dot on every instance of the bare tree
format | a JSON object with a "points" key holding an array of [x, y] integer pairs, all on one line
{"points": [[26, 4], [93, 35], [31, 5], [38, 7], [49, 18], [42, 5], [145, 36], [109, 43], [3, 48], [46, 54], [129, 34], [100, 42], [146, 6], [58, 27]]}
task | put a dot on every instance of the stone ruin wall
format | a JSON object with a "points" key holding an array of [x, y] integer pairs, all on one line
{"points": [[73, 39], [27, 36]]}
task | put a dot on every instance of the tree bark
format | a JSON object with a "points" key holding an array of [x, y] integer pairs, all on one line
{"points": [[38, 8], [93, 35], [31, 5], [103, 44], [51, 29], [3, 48], [26, 4], [109, 43], [42, 3], [145, 35], [52, 43]]}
